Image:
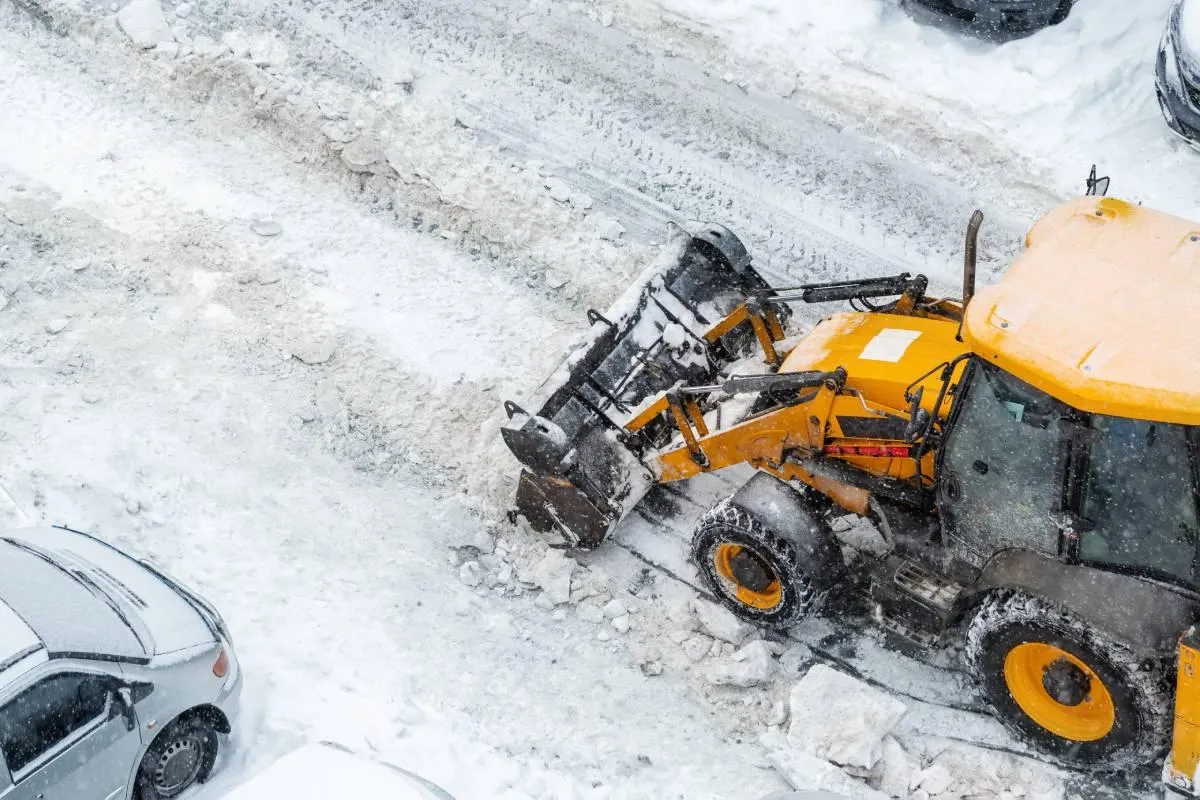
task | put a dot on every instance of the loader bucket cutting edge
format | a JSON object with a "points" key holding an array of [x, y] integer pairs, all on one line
{"points": [[582, 472]]}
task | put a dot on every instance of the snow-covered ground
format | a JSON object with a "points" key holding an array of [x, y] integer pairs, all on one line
{"points": [[1036, 110], [264, 288]]}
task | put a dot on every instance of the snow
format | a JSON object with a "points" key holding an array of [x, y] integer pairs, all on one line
{"points": [[841, 719], [720, 623], [1047, 105], [321, 253], [321, 771], [749, 666], [144, 23]]}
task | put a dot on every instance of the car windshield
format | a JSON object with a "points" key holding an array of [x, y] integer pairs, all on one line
{"points": [[1139, 498]]}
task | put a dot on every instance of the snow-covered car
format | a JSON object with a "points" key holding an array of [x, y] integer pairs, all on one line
{"points": [[1177, 71], [1000, 16], [328, 771], [115, 680]]}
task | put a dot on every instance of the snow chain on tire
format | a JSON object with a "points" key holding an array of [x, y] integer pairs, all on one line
{"points": [[1140, 692], [729, 524]]}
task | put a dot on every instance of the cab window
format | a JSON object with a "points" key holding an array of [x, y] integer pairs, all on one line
{"points": [[1139, 501], [48, 713]]}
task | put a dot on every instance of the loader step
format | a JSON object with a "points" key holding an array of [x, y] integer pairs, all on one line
{"points": [[914, 601]]}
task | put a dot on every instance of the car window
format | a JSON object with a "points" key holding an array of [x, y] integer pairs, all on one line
{"points": [[1138, 498], [45, 714]]}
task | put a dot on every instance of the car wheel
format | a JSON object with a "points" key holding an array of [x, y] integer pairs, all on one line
{"points": [[180, 757], [1066, 687], [1063, 10], [759, 574]]}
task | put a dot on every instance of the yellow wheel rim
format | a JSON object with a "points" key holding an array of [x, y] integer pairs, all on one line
{"points": [[1032, 670], [727, 556]]}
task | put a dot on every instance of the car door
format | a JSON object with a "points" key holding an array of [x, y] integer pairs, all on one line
{"points": [[1001, 468], [64, 737]]}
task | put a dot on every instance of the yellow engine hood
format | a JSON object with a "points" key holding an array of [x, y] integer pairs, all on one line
{"points": [[881, 353]]}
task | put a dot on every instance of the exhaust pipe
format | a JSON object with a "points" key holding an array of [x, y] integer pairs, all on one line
{"points": [[969, 258]]}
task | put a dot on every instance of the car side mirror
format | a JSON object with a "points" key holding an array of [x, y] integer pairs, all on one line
{"points": [[124, 700]]}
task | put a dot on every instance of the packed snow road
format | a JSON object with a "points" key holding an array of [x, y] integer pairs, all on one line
{"points": [[264, 292]]}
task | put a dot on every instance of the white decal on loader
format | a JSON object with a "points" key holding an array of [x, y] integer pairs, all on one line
{"points": [[888, 345]]}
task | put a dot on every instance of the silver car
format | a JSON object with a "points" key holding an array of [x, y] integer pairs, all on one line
{"points": [[115, 681]]}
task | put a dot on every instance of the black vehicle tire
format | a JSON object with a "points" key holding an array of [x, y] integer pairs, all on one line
{"points": [[1064, 9], [179, 757], [758, 574], [1095, 707]]}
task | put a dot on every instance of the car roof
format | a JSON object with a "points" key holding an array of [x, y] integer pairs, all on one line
{"points": [[17, 639], [1099, 311], [59, 609]]}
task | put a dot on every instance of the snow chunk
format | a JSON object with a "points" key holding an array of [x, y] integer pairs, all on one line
{"points": [[266, 227], [559, 191], [237, 42], [896, 769], [803, 771], [471, 573], [144, 22], [697, 647], [266, 50], [614, 608], [553, 575], [748, 667], [965, 771], [313, 351], [611, 230], [720, 623], [621, 623], [840, 718], [364, 154], [57, 325]]}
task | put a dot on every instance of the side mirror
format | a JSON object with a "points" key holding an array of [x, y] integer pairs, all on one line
{"points": [[124, 701], [1096, 186], [918, 418]]}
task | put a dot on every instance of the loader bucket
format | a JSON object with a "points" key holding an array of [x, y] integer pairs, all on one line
{"points": [[581, 471]]}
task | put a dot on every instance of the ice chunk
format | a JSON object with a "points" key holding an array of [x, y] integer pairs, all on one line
{"points": [[965, 771], [720, 623], [144, 22], [804, 771], [840, 718], [553, 575], [748, 667]]}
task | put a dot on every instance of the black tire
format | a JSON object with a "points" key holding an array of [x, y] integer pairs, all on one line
{"points": [[1139, 693], [173, 743], [1063, 11], [725, 525]]}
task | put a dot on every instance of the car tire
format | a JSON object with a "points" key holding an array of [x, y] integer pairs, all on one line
{"points": [[1066, 687], [759, 574], [179, 758], [1063, 11]]}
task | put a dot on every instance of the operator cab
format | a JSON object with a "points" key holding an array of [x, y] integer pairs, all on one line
{"points": [[1020, 469]]}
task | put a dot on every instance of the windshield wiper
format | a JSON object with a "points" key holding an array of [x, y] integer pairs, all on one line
{"points": [[86, 581]]}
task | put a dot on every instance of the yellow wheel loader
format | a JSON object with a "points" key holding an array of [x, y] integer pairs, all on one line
{"points": [[1028, 454]]}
